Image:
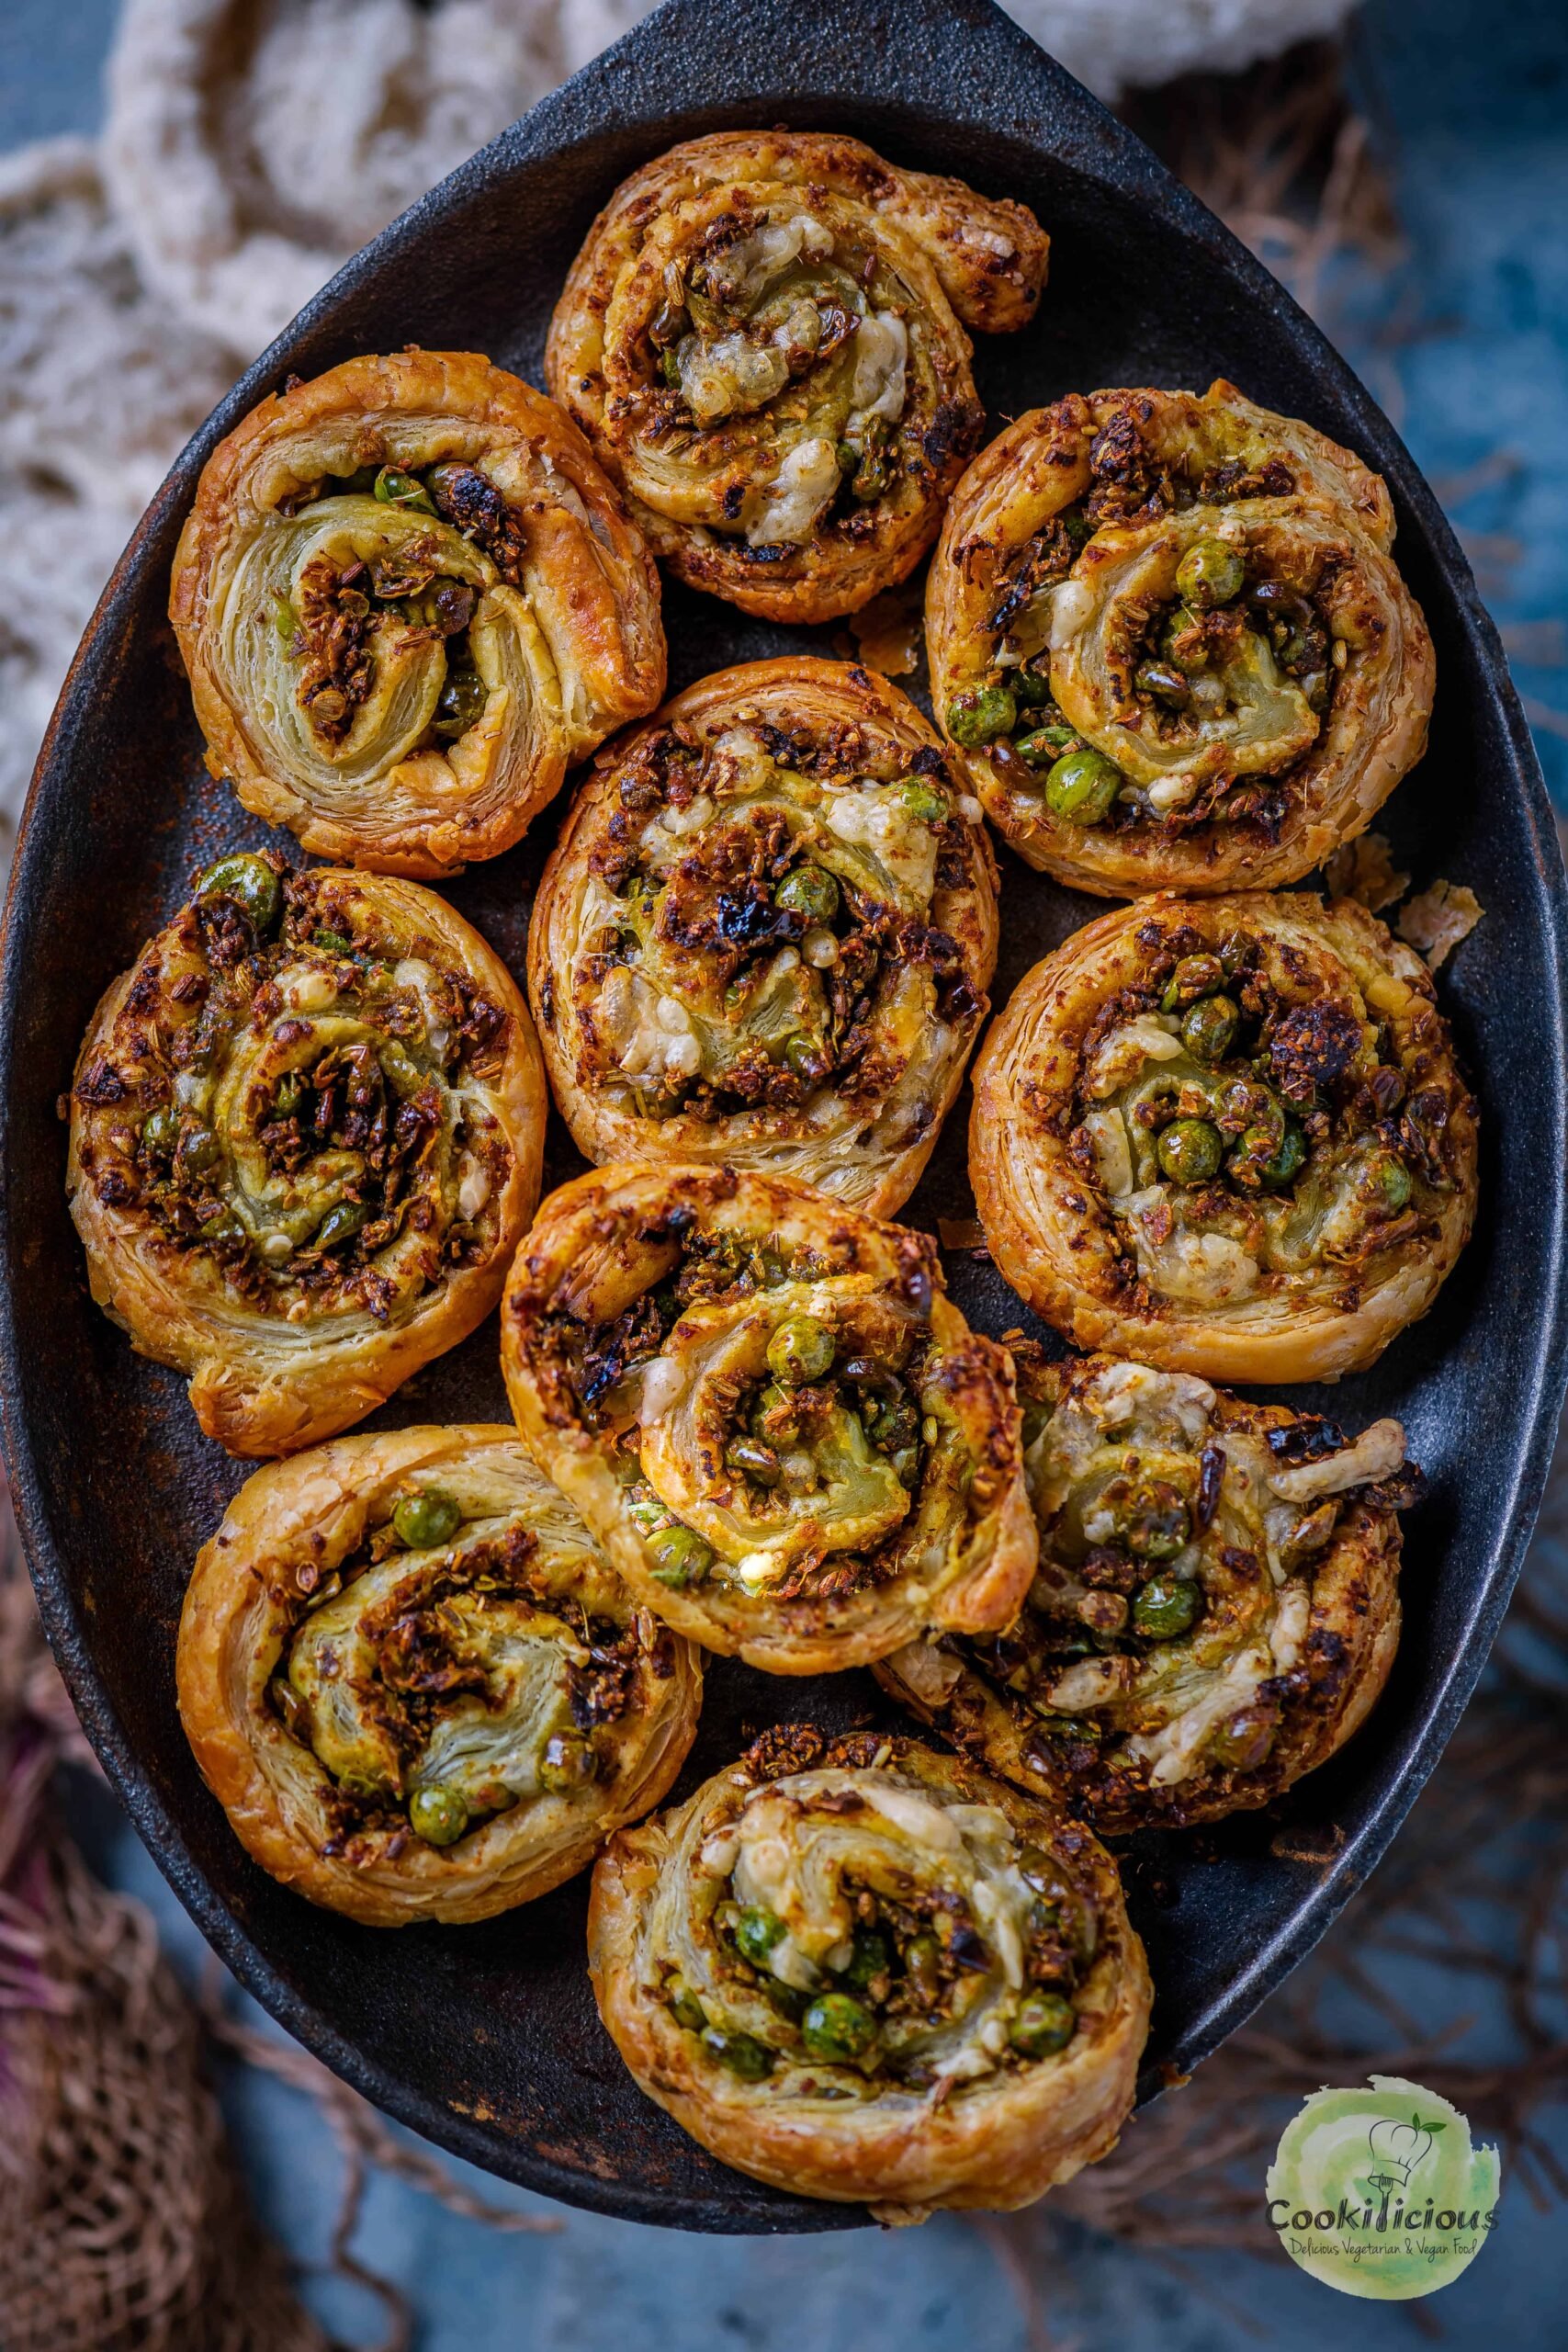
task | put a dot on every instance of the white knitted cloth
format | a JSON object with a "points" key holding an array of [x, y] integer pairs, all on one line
{"points": [[250, 146]]}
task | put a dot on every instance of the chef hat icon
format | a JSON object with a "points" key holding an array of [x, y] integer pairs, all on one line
{"points": [[1398, 2148]]}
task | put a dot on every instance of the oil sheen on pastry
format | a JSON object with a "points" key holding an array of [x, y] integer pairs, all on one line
{"points": [[306, 1134], [1167, 633], [765, 936], [868, 1972], [407, 599], [1215, 1611], [1227, 1135], [415, 1683], [763, 337], [783, 1433]]}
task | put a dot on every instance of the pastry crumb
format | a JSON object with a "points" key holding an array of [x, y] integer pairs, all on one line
{"points": [[887, 631], [961, 1232], [1435, 921], [1365, 869]]}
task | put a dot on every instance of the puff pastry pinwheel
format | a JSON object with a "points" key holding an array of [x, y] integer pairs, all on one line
{"points": [[408, 598], [306, 1134], [871, 1973], [415, 1685], [765, 936], [785, 1436], [1227, 1135], [1215, 1611], [761, 337], [1168, 632]]}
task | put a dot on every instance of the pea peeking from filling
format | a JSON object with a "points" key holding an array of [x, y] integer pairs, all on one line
{"points": [[767, 933], [342, 613], [1236, 1131], [298, 1120], [785, 316], [440, 1681], [1212, 668]]}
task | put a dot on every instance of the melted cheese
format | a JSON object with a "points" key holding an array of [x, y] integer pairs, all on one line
{"points": [[802, 488]]}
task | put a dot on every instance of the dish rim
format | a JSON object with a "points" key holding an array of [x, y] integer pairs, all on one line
{"points": [[1046, 109]]}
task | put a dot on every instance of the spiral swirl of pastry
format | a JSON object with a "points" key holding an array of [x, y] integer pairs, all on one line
{"points": [[785, 1436], [306, 1135], [408, 600], [871, 1973], [1227, 1135], [1169, 635], [1215, 1611], [415, 1683], [761, 337], [765, 936]]}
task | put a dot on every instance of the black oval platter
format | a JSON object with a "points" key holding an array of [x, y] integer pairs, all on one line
{"points": [[486, 2038]]}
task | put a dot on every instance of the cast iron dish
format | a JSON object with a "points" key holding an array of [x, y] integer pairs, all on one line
{"points": [[486, 2037]]}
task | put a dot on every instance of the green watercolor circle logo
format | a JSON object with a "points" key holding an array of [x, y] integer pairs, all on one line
{"points": [[1378, 2191]]}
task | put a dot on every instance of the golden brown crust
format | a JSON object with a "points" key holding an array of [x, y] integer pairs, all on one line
{"points": [[1280, 1660], [1300, 1282], [802, 768], [889, 1494], [566, 633], [910, 2141], [289, 1534], [217, 1027], [1306, 752], [881, 245]]}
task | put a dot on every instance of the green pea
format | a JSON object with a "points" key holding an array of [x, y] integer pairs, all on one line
{"points": [[1045, 2024], [332, 943], [1165, 682], [567, 1763], [872, 1956], [460, 704], [1194, 976], [1287, 1162], [741, 2053], [225, 1226], [925, 802], [685, 2005], [755, 1932], [341, 1224], [1156, 1524], [922, 1966], [289, 1095], [1044, 746], [800, 1351], [1394, 1182], [1082, 787], [871, 476], [1165, 1607], [250, 884], [803, 1055], [394, 488], [285, 619], [750, 1458], [1190, 1150], [848, 457], [906, 1460], [1209, 1030], [200, 1150], [1210, 573], [1243, 1744], [437, 1815], [1031, 688], [809, 890], [772, 1402], [161, 1132], [425, 1520], [837, 2026], [680, 1558], [981, 714]]}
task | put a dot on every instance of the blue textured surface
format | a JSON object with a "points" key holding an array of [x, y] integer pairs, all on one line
{"points": [[1471, 102]]}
